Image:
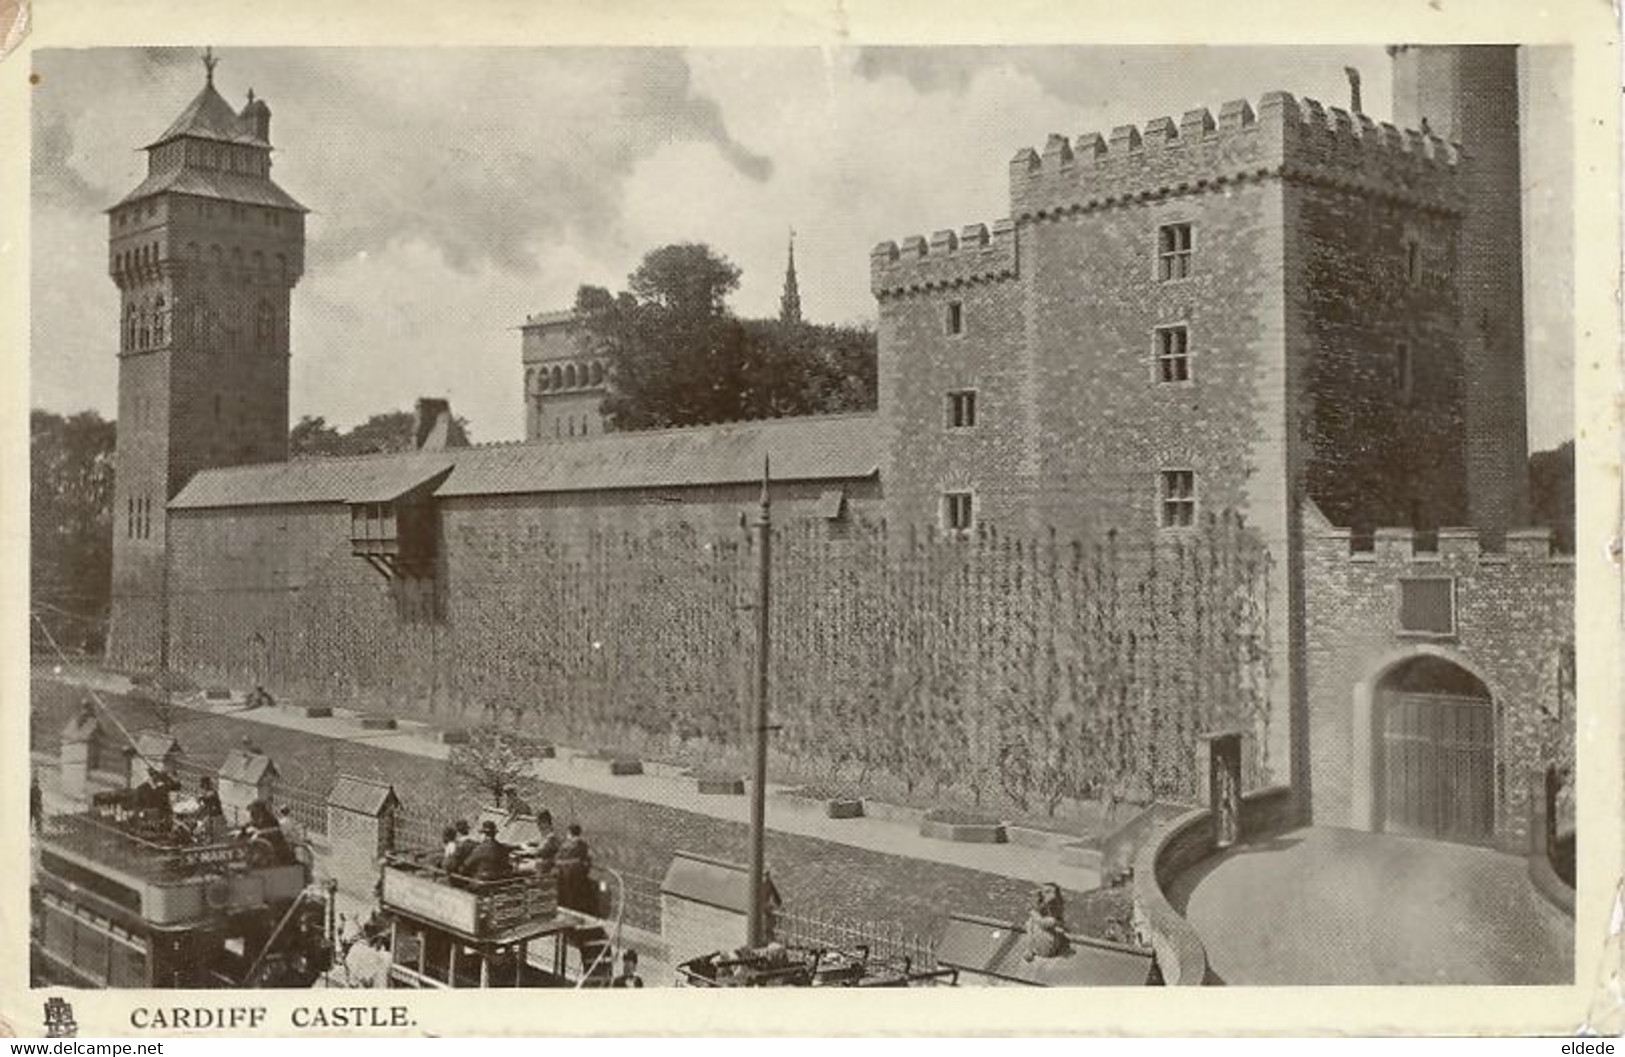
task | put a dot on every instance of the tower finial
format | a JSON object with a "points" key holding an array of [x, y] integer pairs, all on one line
{"points": [[209, 62]]}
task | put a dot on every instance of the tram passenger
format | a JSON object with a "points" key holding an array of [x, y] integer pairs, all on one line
{"points": [[489, 861], [449, 849], [210, 812], [515, 805], [628, 976], [465, 847], [266, 843], [575, 865], [547, 852]]}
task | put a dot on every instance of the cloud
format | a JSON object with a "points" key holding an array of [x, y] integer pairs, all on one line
{"points": [[1150, 79], [494, 157], [57, 181], [488, 156]]}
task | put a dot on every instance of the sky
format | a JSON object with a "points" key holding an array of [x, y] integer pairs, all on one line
{"points": [[453, 192]]}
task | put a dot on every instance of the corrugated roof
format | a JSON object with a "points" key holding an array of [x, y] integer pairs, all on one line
{"points": [[155, 744], [837, 447], [208, 183], [362, 795], [354, 479], [802, 449], [249, 768], [714, 883], [209, 116], [84, 725]]}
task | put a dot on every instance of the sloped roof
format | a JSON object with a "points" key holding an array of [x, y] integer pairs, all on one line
{"points": [[84, 725], [210, 183], [999, 949], [209, 116], [714, 883], [828, 448], [250, 768], [802, 449], [155, 744], [362, 795], [350, 479]]}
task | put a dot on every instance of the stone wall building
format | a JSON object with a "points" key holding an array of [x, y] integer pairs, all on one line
{"points": [[1285, 311]]}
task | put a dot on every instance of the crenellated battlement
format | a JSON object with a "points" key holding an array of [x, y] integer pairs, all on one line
{"points": [[974, 254], [1283, 138], [1453, 545]]}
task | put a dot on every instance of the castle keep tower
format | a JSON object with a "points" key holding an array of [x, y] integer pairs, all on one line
{"points": [[1469, 95], [205, 253]]}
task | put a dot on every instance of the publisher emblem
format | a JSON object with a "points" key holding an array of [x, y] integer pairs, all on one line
{"points": [[59, 1022]]}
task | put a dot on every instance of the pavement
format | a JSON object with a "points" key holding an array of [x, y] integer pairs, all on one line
{"points": [[666, 786], [1332, 906]]}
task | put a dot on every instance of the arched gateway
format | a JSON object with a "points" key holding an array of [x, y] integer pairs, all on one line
{"points": [[1434, 774]]}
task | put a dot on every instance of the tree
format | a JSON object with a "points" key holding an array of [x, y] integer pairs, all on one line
{"points": [[1551, 493], [678, 357], [384, 432], [494, 758], [71, 531]]}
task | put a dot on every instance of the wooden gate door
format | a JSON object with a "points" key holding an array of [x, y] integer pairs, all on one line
{"points": [[1439, 766]]}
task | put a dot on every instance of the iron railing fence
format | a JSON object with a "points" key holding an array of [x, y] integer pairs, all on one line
{"points": [[883, 939]]}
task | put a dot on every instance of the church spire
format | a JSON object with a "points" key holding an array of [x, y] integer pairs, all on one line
{"points": [[790, 301]]}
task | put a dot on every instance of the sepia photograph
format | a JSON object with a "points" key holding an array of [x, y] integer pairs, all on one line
{"points": [[799, 516]]}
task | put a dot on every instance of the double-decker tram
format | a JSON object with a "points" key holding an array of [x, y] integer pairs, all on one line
{"points": [[452, 931], [125, 897]]}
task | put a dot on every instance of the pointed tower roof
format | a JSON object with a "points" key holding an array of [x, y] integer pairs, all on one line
{"points": [[209, 116], [790, 300]]}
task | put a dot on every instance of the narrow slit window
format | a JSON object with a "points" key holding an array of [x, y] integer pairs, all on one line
{"points": [[955, 321], [962, 409], [958, 511]]}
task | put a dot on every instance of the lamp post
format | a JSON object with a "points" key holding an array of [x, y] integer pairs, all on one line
{"points": [[758, 791]]}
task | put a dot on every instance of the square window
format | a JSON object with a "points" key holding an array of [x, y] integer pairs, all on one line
{"points": [[1178, 498], [958, 511], [1173, 354], [955, 322], [1427, 606], [1173, 251], [962, 409]]}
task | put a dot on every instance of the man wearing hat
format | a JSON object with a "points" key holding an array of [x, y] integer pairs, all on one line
{"points": [[489, 861]]}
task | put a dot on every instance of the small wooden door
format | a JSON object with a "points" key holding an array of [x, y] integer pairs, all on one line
{"points": [[1439, 766]]}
